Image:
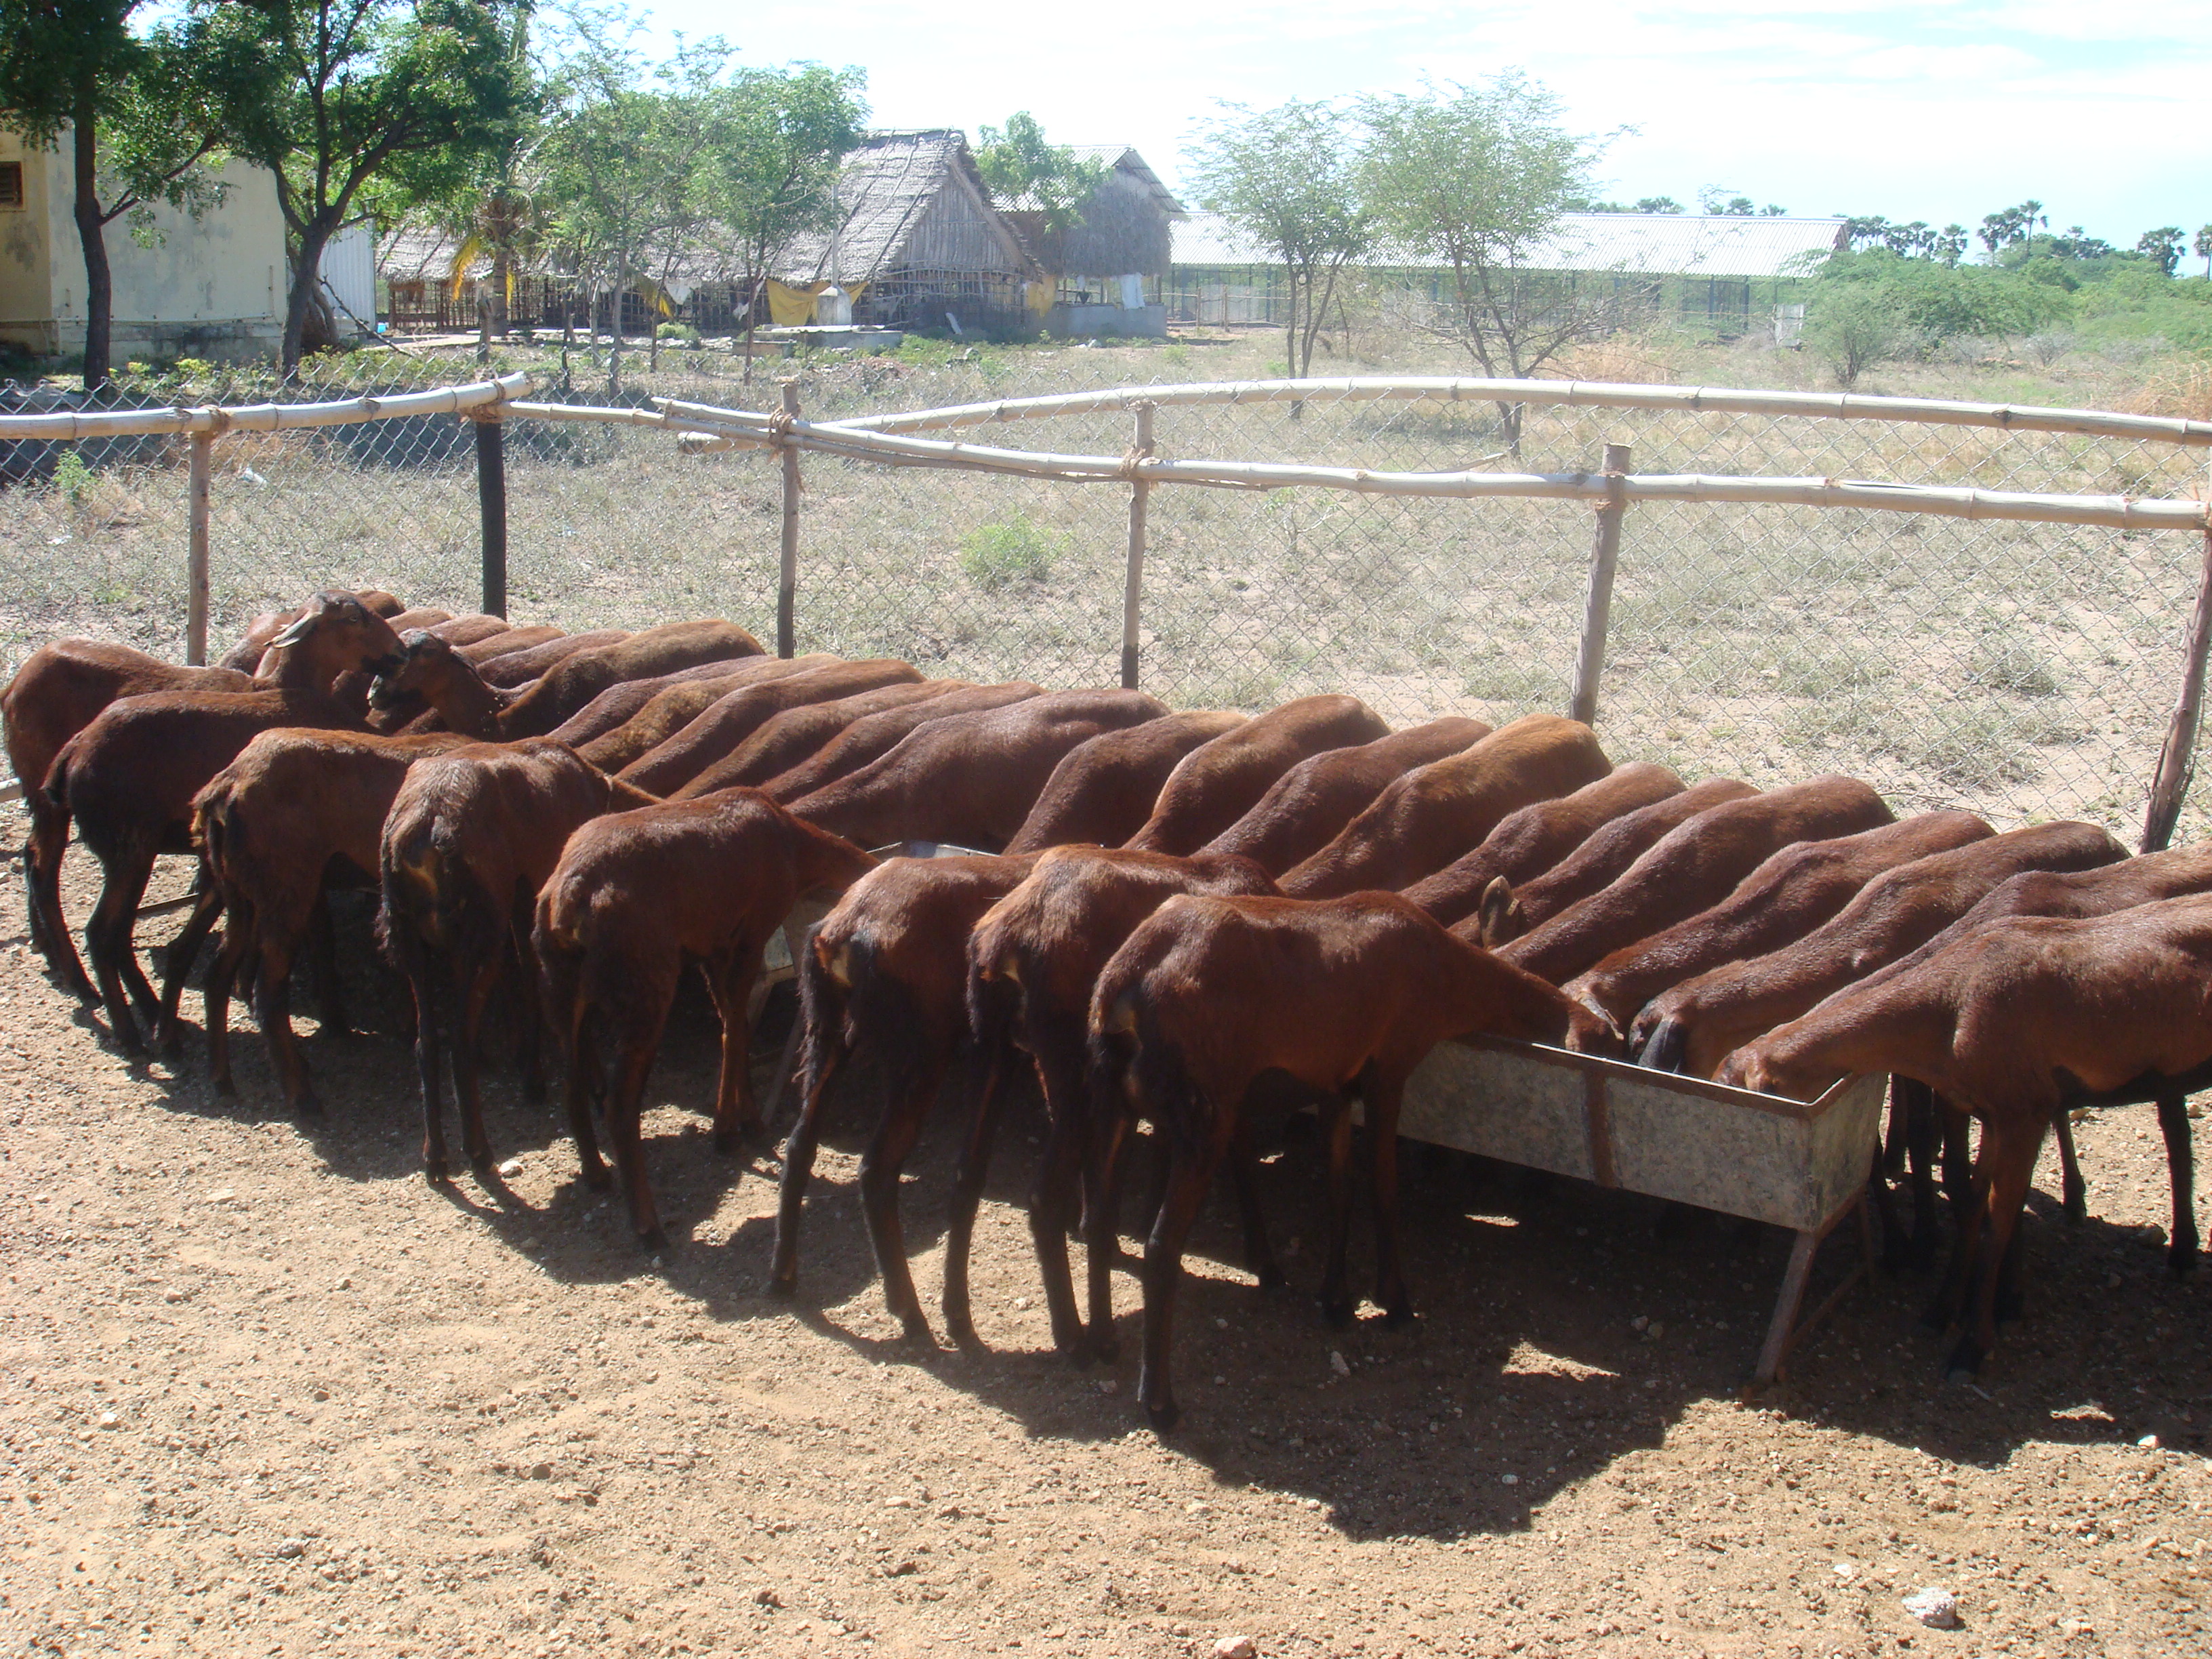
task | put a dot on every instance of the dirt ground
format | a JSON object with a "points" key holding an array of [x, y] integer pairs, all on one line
{"points": [[264, 1390]]}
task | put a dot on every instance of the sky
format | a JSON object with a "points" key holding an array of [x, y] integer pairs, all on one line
{"points": [[1944, 110]]}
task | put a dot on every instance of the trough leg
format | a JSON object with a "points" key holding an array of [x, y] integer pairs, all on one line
{"points": [[1781, 1328]]}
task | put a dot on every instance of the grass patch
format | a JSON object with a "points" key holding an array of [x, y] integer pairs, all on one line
{"points": [[1008, 551], [2010, 666]]}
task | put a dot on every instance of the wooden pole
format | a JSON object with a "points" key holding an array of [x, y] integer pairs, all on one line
{"points": [[491, 505], [196, 593], [787, 583], [1133, 586], [483, 327], [1597, 611], [2177, 757]]}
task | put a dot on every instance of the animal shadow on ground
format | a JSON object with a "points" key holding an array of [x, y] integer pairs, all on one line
{"points": [[1561, 1326]]}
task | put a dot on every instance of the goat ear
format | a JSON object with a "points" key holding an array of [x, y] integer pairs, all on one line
{"points": [[1496, 912]]}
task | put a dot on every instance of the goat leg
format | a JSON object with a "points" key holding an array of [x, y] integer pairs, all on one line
{"points": [[625, 1113], [107, 939], [237, 939], [886, 1155], [207, 906], [1244, 1175], [825, 1050], [1924, 1131], [1957, 1157], [1104, 1171], [1965, 1244], [1382, 1094], [2010, 1152], [1060, 1175], [584, 1082], [42, 860], [974, 1168], [471, 995], [1190, 1173], [272, 1001], [422, 985], [530, 1005], [323, 964], [1336, 1303], [737, 1113], [2181, 1173], [2074, 1191]]}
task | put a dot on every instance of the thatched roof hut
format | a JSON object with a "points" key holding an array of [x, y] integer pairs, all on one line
{"points": [[918, 239], [1123, 229]]}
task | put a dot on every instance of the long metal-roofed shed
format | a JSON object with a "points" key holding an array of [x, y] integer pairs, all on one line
{"points": [[1725, 273]]}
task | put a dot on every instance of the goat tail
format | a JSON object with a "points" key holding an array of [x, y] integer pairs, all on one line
{"points": [[1668, 1046], [824, 999]]}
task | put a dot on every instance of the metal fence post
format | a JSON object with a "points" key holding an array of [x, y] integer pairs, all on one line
{"points": [[2177, 756], [1133, 586], [1597, 610], [491, 506], [195, 578], [786, 581]]}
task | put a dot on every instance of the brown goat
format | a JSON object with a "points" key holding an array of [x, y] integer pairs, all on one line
{"points": [[969, 779], [2078, 895], [676, 705], [1103, 791], [789, 738], [1435, 813], [1308, 806], [1218, 783], [1033, 962], [60, 690], [636, 895], [1343, 996], [1777, 904], [268, 826], [738, 714], [887, 968], [1602, 859], [1529, 843], [2016, 1022], [618, 704], [517, 667], [471, 837], [246, 656], [573, 682], [873, 736], [1692, 1028], [128, 779], [512, 641], [1694, 865]]}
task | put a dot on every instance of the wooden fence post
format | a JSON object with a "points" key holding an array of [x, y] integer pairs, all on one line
{"points": [[786, 582], [1597, 610], [1133, 586], [491, 505], [2177, 757], [196, 579]]}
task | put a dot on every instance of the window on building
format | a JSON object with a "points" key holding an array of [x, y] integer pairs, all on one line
{"points": [[11, 184]]}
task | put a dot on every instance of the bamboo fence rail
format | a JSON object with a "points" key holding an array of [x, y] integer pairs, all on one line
{"points": [[66, 425]]}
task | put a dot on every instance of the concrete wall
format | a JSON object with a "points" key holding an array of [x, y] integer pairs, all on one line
{"points": [[1074, 322], [211, 287]]}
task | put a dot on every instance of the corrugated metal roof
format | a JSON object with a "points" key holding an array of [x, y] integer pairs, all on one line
{"points": [[1648, 244]]}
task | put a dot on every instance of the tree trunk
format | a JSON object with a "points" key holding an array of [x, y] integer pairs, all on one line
{"points": [[306, 269], [757, 293], [99, 281], [615, 331]]}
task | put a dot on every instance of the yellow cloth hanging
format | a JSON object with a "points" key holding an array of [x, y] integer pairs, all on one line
{"points": [[792, 306]]}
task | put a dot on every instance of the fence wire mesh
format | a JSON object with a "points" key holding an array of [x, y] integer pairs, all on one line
{"points": [[2025, 670]]}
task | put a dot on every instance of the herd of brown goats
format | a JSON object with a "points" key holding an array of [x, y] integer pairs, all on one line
{"points": [[1178, 917]]}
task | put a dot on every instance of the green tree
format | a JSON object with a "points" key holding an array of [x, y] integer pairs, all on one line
{"points": [[2162, 247], [778, 138], [331, 95], [625, 147], [137, 128], [1853, 326], [1018, 165], [1287, 177], [2202, 248], [1478, 180], [2001, 229]]}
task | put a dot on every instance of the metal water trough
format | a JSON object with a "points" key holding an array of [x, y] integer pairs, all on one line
{"points": [[1798, 1165]]}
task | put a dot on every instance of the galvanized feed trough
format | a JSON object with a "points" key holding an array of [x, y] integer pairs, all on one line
{"points": [[1798, 1165]]}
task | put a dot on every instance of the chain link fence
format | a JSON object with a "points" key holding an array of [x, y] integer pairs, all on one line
{"points": [[2024, 670]]}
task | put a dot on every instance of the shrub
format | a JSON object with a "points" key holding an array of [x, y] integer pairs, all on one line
{"points": [[1008, 551], [1853, 326], [72, 476]]}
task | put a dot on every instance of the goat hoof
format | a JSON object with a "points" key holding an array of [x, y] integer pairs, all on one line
{"points": [[1337, 1312], [1107, 1346], [2077, 1209], [433, 1168], [783, 1286], [1273, 1279], [1397, 1315], [728, 1143], [655, 1239], [2182, 1261], [1163, 1417], [599, 1179], [307, 1105], [1965, 1363], [225, 1086]]}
